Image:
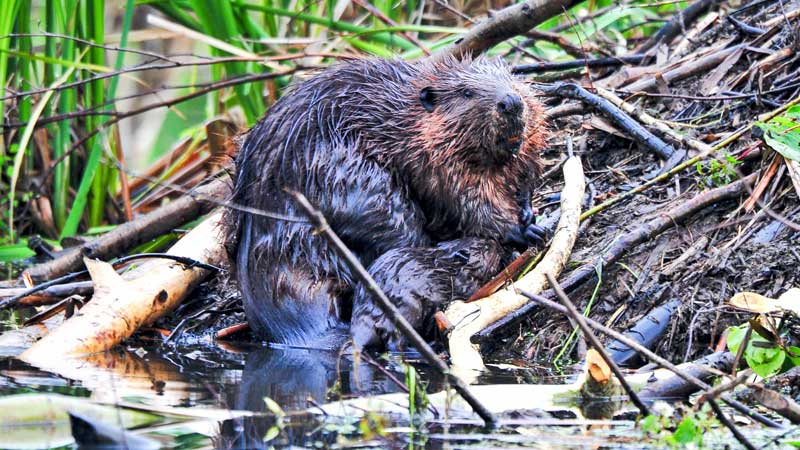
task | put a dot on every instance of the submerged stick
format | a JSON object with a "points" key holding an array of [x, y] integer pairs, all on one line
{"points": [[388, 308]]}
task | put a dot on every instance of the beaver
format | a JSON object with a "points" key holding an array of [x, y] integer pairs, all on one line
{"points": [[421, 163]]}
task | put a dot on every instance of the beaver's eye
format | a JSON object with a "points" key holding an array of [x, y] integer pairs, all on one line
{"points": [[428, 98], [468, 93]]}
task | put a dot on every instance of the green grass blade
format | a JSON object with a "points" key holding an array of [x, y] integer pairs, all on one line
{"points": [[23, 144], [7, 15]]}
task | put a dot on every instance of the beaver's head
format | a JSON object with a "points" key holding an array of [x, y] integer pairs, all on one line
{"points": [[477, 112]]}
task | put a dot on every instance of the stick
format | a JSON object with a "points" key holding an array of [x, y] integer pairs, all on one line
{"points": [[578, 317], [508, 22], [388, 308], [130, 234], [591, 63]]}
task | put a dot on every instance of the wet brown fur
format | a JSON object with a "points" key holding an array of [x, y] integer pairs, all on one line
{"points": [[389, 174]]}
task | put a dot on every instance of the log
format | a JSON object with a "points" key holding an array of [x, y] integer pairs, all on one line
{"points": [[121, 306]]}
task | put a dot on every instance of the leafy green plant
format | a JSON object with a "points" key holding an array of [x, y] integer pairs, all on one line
{"points": [[762, 354], [686, 433], [718, 173], [417, 396]]}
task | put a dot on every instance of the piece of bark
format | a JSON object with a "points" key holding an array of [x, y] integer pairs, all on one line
{"points": [[119, 307], [777, 402], [469, 318], [131, 234], [674, 386]]}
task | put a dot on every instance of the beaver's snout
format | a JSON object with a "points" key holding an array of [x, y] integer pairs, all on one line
{"points": [[509, 104]]}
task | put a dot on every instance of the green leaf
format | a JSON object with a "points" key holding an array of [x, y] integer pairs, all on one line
{"points": [[765, 362], [687, 432], [274, 407], [793, 355], [15, 252], [782, 133], [735, 337]]}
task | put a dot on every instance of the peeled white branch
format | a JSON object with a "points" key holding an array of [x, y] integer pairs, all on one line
{"points": [[470, 318], [120, 306]]}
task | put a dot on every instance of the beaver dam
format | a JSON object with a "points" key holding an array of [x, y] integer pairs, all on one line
{"points": [[534, 224]]}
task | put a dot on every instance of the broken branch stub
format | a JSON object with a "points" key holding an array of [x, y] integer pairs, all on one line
{"points": [[469, 318]]}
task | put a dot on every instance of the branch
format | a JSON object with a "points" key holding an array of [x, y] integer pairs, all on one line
{"points": [[506, 23]]}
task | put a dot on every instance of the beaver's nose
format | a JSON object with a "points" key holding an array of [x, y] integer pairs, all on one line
{"points": [[510, 104]]}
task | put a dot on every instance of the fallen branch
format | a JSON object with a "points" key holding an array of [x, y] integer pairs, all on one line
{"points": [[131, 234], [591, 63], [400, 323], [119, 307], [470, 318], [506, 23]]}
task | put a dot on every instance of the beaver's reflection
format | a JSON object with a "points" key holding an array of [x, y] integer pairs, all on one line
{"points": [[296, 379]]}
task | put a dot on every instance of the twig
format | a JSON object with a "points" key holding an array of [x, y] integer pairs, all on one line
{"points": [[388, 21], [592, 63], [725, 421], [579, 319], [388, 308], [188, 262]]}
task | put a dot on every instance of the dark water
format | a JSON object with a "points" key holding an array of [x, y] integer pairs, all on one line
{"points": [[239, 377]]}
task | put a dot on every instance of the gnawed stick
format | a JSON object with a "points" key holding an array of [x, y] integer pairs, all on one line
{"points": [[469, 318], [119, 306], [388, 308], [597, 346]]}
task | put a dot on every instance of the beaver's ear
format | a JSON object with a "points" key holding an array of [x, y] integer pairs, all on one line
{"points": [[428, 98]]}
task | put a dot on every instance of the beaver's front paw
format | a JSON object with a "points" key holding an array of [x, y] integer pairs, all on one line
{"points": [[527, 235]]}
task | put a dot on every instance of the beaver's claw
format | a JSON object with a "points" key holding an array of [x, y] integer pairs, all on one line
{"points": [[527, 236]]}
